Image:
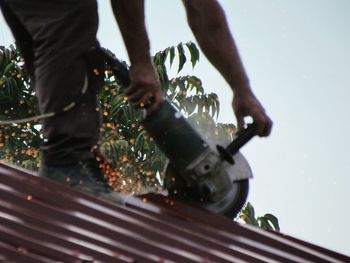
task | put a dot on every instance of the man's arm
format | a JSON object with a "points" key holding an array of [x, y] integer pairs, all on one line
{"points": [[208, 23], [145, 86]]}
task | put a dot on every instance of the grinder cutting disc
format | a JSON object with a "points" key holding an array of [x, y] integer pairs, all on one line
{"points": [[228, 204]]}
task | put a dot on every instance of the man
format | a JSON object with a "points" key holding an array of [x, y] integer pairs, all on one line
{"points": [[58, 42]]}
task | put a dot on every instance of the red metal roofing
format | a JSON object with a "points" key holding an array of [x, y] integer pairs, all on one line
{"points": [[41, 221]]}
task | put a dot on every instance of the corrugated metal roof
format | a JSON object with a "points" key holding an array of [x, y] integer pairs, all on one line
{"points": [[41, 221]]}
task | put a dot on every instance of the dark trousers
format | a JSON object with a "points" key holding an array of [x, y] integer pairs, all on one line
{"points": [[57, 39]]}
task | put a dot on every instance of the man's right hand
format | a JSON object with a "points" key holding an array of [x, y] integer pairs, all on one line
{"points": [[144, 90]]}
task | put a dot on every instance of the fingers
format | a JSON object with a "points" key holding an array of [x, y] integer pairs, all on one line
{"points": [[240, 121], [247, 105], [268, 127], [145, 97], [145, 90], [135, 96], [155, 103], [139, 98], [263, 124]]}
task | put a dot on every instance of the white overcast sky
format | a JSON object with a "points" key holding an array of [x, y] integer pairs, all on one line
{"points": [[297, 56]]}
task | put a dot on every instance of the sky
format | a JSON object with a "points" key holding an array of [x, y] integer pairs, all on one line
{"points": [[296, 54]]}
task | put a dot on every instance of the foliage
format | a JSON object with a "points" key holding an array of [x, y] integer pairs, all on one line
{"points": [[19, 144], [267, 222]]}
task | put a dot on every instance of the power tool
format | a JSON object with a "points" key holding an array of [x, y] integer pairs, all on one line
{"points": [[202, 172]]}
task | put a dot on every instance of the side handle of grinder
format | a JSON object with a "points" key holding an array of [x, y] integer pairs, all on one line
{"points": [[242, 137]]}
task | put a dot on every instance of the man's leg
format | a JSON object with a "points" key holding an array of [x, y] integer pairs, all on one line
{"points": [[63, 35]]}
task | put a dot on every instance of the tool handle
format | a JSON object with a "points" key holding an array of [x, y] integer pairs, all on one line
{"points": [[243, 136], [119, 68]]}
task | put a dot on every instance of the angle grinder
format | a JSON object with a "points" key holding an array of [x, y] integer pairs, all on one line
{"points": [[207, 174], [202, 172]]}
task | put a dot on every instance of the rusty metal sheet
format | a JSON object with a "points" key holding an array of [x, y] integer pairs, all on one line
{"points": [[42, 221]]}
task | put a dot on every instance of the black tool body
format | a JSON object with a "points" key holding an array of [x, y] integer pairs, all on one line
{"points": [[214, 177]]}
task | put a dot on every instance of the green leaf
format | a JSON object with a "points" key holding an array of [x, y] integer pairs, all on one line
{"points": [[263, 223], [139, 143], [182, 57], [273, 220], [214, 104], [249, 210], [164, 55], [122, 143], [172, 55], [194, 53]]}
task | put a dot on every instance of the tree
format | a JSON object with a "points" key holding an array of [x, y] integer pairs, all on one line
{"points": [[138, 161], [19, 144]]}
